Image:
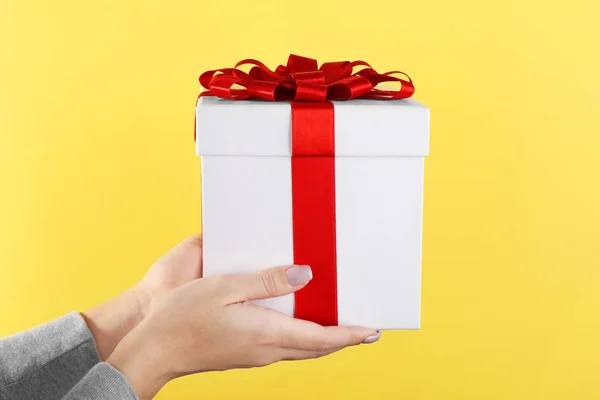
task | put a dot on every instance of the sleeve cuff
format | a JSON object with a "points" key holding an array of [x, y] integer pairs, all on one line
{"points": [[35, 348], [103, 382], [48, 360]]}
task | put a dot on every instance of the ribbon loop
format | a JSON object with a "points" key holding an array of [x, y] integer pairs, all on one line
{"points": [[309, 76], [349, 88], [334, 71], [301, 64], [310, 91]]}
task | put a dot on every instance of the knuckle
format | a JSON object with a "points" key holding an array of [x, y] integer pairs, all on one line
{"points": [[194, 241], [347, 338], [354, 337], [269, 284]]}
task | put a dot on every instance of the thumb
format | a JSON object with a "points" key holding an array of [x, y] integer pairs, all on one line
{"points": [[272, 282]]}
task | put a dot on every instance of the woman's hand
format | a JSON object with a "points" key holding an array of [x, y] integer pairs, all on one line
{"points": [[112, 320], [182, 264], [208, 325]]}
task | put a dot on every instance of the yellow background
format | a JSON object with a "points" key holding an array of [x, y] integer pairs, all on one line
{"points": [[98, 176]]}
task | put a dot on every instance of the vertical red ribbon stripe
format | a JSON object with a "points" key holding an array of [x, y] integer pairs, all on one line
{"points": [[313, 209]]}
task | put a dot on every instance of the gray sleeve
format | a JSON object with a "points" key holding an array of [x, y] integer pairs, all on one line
{"points": [[47, 361], [103, 382]]}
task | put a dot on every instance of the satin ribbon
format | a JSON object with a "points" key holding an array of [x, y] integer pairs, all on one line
{"points": [[302, 80], [313, 209], [310, 89]]}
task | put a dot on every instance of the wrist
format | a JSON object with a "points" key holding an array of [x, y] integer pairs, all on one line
{"points": [[140, 363], [112, 320], [143, 297]]}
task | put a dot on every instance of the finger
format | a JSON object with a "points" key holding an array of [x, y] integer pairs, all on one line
{"points": [[295, 354], [187, 252], [191, 243], [271, 282], [305, 335]]}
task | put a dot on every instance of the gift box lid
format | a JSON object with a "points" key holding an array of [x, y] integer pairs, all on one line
{"points": [[362, 128]]}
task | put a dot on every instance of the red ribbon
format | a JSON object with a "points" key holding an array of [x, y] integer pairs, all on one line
{"points": [[313, 209], [302, 80], [309, 89]]}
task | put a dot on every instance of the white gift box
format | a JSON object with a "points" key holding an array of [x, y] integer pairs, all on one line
{"points": [[380, 146]]}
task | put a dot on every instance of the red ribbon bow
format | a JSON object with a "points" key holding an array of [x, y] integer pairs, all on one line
{"points": [[302, 80]]}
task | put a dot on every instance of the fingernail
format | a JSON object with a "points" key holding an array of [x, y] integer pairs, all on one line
{"points": [[372, 338], [298, 275]]}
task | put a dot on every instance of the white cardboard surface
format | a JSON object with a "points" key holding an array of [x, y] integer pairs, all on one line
{"points": [[362, 128], [247, 217], [247, 213], [378, 215]]}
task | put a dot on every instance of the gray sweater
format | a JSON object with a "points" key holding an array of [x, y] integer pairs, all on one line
{"points": [[58, 360]]}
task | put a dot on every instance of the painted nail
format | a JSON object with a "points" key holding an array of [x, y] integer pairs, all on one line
{"points": [[372, 338], [298, 275]]}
